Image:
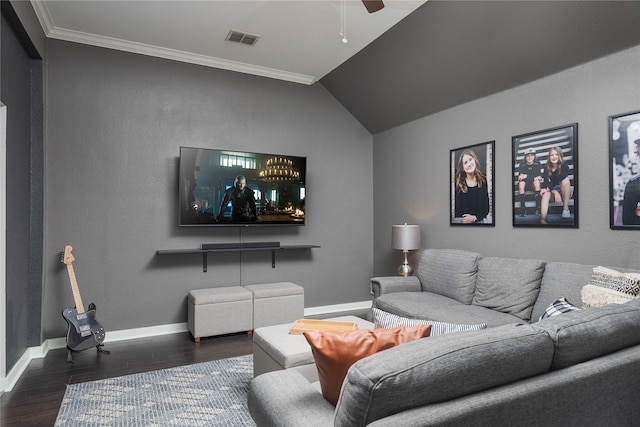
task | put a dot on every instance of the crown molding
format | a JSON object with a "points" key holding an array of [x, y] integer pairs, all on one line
{"points": [[53, 32]]}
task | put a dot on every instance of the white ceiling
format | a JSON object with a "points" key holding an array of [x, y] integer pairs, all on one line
{"points": [[299, 41]]}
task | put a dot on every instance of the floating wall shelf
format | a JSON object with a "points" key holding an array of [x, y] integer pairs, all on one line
{"points": [[238, 247]]}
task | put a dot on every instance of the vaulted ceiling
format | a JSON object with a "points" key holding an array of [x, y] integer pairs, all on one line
{"points": [[447, 53], [406, 61]]}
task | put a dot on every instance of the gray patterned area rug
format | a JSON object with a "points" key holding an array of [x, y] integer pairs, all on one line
{"points": [[204, 394]]}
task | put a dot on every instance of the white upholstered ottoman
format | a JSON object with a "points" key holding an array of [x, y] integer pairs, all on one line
{"points": [[274, 348], [276, 303], [218, 311]]}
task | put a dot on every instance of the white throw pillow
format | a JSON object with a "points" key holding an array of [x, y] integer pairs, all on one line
{"points": [[608, 286], [597, 296]]}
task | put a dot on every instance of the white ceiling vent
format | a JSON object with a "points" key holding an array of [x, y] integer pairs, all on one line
{"points": [[244, 38]]}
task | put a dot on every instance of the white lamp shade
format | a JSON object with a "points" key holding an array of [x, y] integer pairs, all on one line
{"points": [[405, 237]]}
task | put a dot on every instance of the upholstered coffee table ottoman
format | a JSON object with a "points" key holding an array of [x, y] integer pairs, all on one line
{"points": [[274, 348]]}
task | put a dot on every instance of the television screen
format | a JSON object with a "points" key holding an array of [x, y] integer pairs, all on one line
{"points": [[231, 188]]}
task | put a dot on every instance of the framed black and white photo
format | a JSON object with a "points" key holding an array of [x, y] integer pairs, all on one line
{"points": [[472, 185], [545, 178], [624, 175]]}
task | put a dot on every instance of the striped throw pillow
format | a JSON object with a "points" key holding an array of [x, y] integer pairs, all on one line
{"points": [[383, 319]]}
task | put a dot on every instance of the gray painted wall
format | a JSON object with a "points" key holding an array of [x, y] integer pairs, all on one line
{"points": [[22, 94], [15, 89], [412, 170], [115, 122]]}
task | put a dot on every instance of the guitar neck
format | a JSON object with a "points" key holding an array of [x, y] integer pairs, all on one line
{"points": [[74, 288]]}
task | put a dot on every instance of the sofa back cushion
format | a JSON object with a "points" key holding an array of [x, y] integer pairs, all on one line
{"points": [[439, 369], [449, 272], [509, 285], [561, 279], [564, 279], [586, 334]]}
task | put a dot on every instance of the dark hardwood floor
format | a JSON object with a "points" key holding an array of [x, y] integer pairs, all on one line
{"points": [[36, 397]]}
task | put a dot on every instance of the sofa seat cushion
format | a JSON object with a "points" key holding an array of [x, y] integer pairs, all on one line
{"points": [[431, 306], [335, 352], [439, 369], [509, 285], [586, 334], [449, 272]]}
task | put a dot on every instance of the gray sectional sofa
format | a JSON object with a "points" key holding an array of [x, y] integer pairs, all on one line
{"points": [[463, 287], [580, 368]]}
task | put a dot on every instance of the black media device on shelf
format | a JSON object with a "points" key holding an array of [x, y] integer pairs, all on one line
{"points": [[231, 188]]}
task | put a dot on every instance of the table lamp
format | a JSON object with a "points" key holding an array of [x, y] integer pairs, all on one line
{"points": [[405, 238]]}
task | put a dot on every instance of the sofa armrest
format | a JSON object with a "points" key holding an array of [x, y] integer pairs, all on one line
{"points": [[287, 399], [385, 285]]}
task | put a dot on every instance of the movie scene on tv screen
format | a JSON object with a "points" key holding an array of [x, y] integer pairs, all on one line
{"points": [[219, 187]]}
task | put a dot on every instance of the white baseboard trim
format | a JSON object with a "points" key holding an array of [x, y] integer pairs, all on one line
{"points": [[21, 365], [126, 334], [129, 334], [338, 308]]}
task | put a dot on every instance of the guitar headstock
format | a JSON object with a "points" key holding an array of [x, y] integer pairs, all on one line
{"points": [[67, 257]]}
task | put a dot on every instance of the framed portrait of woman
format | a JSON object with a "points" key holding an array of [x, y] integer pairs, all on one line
{"points": [[472, 185], [545, 178], [624, 176]]}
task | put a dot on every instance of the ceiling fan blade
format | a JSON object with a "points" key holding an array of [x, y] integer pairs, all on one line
{"points": [[373, 5]]}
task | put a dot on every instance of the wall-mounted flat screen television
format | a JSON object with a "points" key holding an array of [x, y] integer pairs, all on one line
{"points": [[233, 188]]}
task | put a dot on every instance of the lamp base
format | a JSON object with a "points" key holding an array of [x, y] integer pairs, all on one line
{"points": [[405, 270]]}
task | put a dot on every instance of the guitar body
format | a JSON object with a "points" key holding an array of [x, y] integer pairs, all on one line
{"points": [[84, 331]]}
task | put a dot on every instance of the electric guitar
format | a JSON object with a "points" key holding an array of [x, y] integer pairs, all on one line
{"points": [[84, 330]]}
